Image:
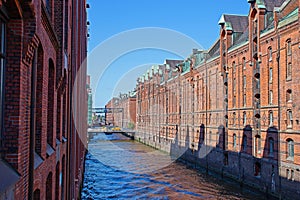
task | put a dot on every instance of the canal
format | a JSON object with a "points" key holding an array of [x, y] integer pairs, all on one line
{"points": [[119, 168]]}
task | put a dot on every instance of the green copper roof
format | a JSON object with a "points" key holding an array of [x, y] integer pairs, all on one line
{"points": [[260, 4]]}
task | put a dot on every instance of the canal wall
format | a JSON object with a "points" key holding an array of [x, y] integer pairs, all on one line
{"points": [[237, 166]]}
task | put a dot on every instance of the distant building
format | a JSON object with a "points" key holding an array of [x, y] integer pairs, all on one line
{"points": [[89, 101], [43, 45], [240, 97], [123, 110]]}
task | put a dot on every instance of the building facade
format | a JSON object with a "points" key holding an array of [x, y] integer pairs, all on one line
{"points": [[43, 48], [123, 111], [233, 108]]}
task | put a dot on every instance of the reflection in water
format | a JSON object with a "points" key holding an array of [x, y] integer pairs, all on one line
{"points": [[115, 169]]}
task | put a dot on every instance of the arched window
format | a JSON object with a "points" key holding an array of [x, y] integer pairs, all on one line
{"points": [[257, 144], [289, 95], [49, 187], [270, 75], [39, 100], [234, 118], [244, 118], [50, 117], [37, 194], [270, 118], [244, 63], [290, 149], [234, 140], [288, 47], [289, 71], [270, 53], [289, 119]]}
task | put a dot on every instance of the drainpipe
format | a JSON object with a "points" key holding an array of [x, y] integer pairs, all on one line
{"points": [[32, 126]]}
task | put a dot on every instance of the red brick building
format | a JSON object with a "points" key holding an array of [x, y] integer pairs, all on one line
{"points": [[239, 98], [43, 45], [123, 112]]}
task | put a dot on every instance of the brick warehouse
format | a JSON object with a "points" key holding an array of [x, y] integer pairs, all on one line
{"points": [[123, 111], [234, 107], [43, 44]]}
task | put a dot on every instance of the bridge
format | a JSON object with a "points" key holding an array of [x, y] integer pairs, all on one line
{"points": [[110, 130]]}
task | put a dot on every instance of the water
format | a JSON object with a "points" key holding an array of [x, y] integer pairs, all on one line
{"points": [[118, 168]]}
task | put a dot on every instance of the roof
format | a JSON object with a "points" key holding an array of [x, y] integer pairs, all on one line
{"points": [[270, 4], [236, 23]]}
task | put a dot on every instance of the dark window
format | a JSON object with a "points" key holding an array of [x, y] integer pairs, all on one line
{"points": [[289, 95]]}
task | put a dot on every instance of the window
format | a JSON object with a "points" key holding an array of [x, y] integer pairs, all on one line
{"points": [[244, 82], [288, 47], [2, 69], [234, 85], [289, 71], [270, 75], [258, 144], [244, 63], [270, 97], [270, 53], [245, 100], [234, 101], [289, 119], [234, 118], [271, 146], [234, 140], [290, 149], [270, 118], [289, 95], [244, 144], [244, 118], [233, 67]]}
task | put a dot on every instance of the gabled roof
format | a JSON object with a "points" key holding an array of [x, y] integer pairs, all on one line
{"points": [[270, 4], [236, 23]]}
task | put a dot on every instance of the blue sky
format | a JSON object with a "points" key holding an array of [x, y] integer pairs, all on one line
{"points": [[196, 19]]}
